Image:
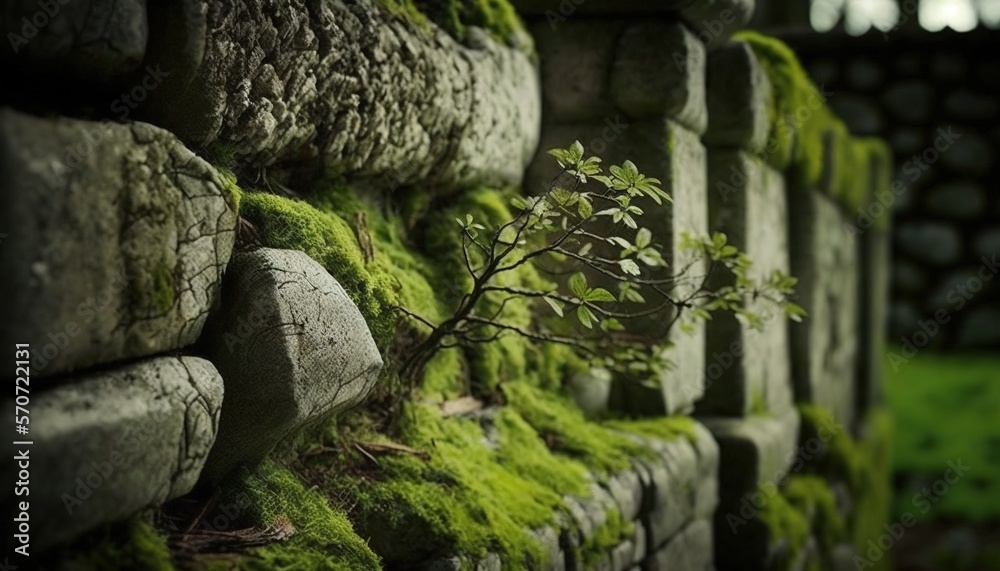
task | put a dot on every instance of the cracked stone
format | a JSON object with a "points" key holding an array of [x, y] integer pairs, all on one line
{"points": [[112, 443], [119, 236], [292, 348]]}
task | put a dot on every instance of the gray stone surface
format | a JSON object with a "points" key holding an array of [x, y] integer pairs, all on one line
{"points": [[738, 99], [626, 489], [909, 101], [692, 549], [956, 199], [89, 40], [114, 442], [549, 539], [706, 498], [662, 149], [490, 563], [748, 369], [118, 237], [292, 347], [825, 345], [576, 61], [370, 93], [929, 242], [714, 21], [659, 70], [591, 391], [906, 141], [907, 276], [873, 316]]}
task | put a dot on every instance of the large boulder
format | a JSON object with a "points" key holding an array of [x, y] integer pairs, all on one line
{"points": [[292, 348], [109, 444], [118, 237]]}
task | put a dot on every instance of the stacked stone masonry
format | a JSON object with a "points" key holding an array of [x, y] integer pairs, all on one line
{"points": [[141, 312]]}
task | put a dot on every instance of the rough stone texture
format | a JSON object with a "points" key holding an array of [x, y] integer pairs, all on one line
{"points": [[370, 93], [957, 200], [114, 442], [738, 99], [662, 149], [576, 60], [748, 369], [118, 239], [691, 549], [292, 347], [591, 391], [873, 316], [971, 154], [714, 21], [825, 261], [89, 40], [754, 453], [659, 70]]}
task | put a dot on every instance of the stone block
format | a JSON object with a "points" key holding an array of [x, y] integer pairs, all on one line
{"points": [[659, 70], [112, 443], [824, 346], [370, 94], [706, 498], [672, 481], [662, 149], [293, 349], [873, 317], [747, 369], [591, 391], [80, 40], [626, 489], [690, 549], [576, 65], [118, 237], [739, 94], [714, 21]]}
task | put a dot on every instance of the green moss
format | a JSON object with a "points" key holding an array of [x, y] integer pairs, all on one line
{"points": [[323, 540], [231, 191], [801, 126], [784, 521], [840, 458], [872, 507], [163, 288], [812, 496], [497, 17], [605, 538], [664, 428], [132, 544]]}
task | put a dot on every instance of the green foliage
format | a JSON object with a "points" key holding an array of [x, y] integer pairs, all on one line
{"points": [[872, 508], [784, 521], [323, 540], [800, 122], [812, 496], [131, 544], [945, 408], [163, 288], [588, 233], [497, 17]]}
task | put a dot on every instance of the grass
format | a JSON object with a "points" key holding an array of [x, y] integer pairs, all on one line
{"points": [[946, 409]]}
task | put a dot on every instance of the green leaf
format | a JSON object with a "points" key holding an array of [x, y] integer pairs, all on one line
{"points": [[555, 305], [578, 284], [629, 267], [584, 208], [599, 294], [585, 316], [643, 237]]}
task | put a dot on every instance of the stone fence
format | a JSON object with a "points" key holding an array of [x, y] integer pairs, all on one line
{"points": [[179, 328]]}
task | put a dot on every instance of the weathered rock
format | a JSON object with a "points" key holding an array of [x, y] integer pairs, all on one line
{"points": [[118, 239], [873, 316], [714, 21], [671, 482], [112, 443], [907, 276], [662, 149], [930, 242], [576, 61], [626, 489], [738, 99], [89, 40], [690, 549], [292, 347], [490, 563], [549, 539], [368, 92], [910, 101], [659, 70], [706, 495], [825, 260], [748, 368], [591, 391], [960, 199]]}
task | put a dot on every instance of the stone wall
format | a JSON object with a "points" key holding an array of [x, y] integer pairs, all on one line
{"points": [[933, 96], [191, 310]]}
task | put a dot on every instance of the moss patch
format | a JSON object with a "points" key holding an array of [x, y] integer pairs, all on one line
{"points": [[132, 544], [811, 495], [163, 288], [784, 521], [497, 17]]}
